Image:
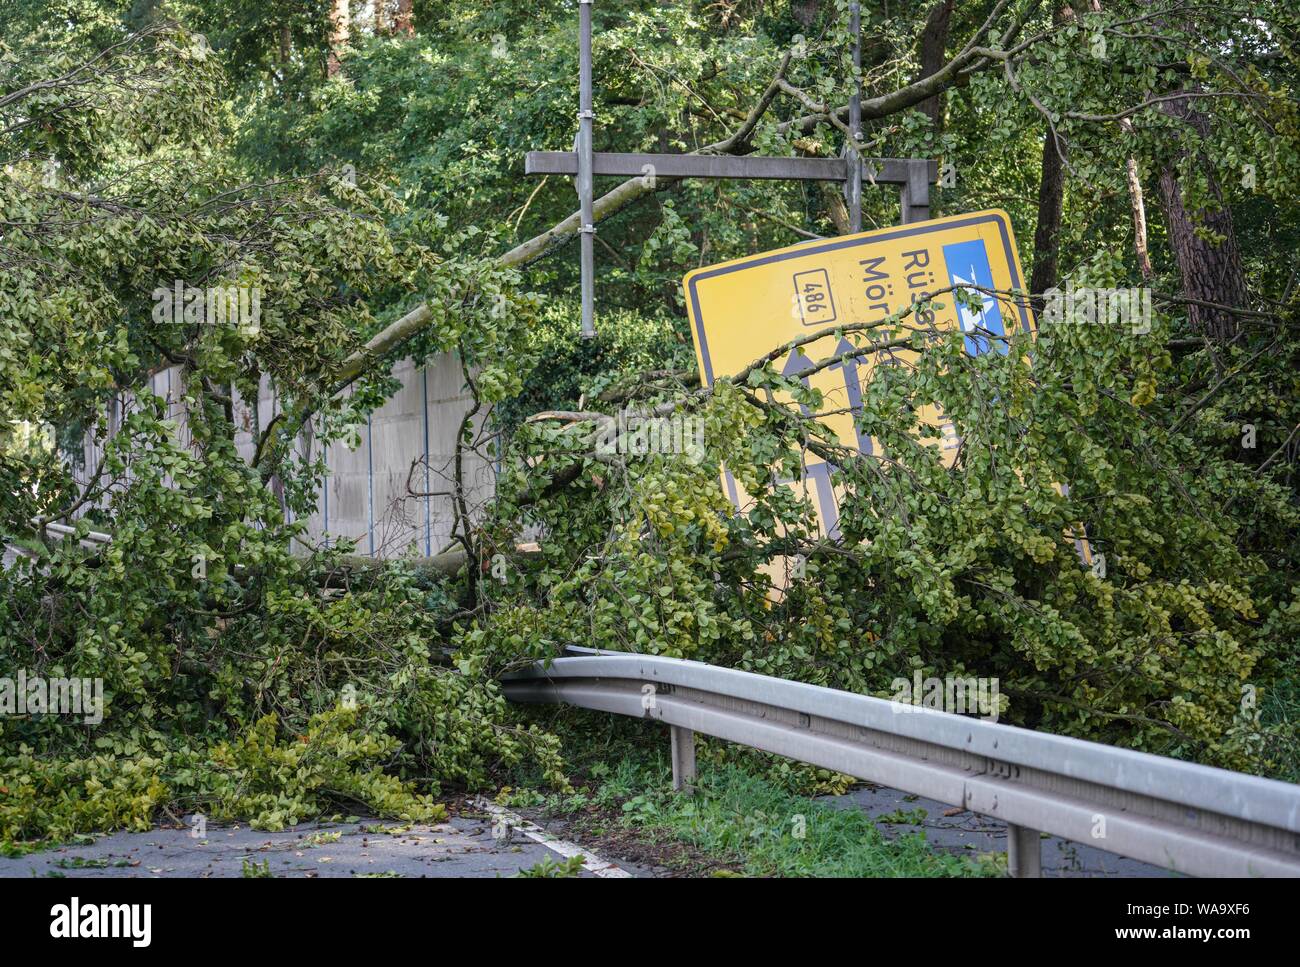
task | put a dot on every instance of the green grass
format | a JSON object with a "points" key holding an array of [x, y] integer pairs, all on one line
{"points": [[1281, 709], [552, 869], [749, 822], [255, 871]]}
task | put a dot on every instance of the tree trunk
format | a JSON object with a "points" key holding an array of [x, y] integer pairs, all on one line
{"points": [[1047, 234], [340, 30], [1136, 202], [1211, 271], [934, 42], [832, 193], [402, 21], [1051, 198], [286, 52], [805, 11], [381, 17], [835, 205]]}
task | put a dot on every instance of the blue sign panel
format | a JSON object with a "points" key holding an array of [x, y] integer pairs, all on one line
{"points": [[968, 264]]}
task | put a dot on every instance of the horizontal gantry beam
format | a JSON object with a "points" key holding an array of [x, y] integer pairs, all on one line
{"points": [[882, 171]]}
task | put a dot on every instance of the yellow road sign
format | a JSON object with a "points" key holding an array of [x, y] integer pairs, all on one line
{"points": [[742, 309]]}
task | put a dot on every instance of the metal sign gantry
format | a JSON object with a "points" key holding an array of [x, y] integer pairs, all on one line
{"points": [[913, 175]]}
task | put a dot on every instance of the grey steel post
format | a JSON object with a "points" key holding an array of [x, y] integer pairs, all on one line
{"points": [[683, 759], [853, 185], [915, 195], [624, 164], [585, 117], [1024, 851]]}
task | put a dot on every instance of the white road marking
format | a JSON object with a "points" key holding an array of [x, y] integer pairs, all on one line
{"points": [[591, 862]]}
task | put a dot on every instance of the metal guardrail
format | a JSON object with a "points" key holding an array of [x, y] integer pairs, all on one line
{"points": [[1185, 817]]}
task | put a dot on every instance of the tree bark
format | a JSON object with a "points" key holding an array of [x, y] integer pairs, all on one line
{"points": [[340, 30], [286, 52], [1138, 205], [1047, 233], [805, 11], [836, 207], [1051, 199], [1211, 271], [934, 42], [402, 20]]}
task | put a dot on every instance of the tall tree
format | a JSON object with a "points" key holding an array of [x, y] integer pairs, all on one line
{"points": [[340, 31], [1051, 199], [403, 21], [1047, 232], [934, 43], [1204, 240]]}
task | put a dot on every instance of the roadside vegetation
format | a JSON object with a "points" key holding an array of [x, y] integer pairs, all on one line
{"points": [[738, 822], [368, 184]]}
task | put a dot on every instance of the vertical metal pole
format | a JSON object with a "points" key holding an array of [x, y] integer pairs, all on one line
{"points": [[854, 182], [585, 117], [683, 759], [1024, 852], [370, 483], [424, 408], [915, 195], [325, 491]]}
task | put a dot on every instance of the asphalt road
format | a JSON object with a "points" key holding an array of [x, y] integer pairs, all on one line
{"points": [[465, 846], [462, 846], [957, 830]]}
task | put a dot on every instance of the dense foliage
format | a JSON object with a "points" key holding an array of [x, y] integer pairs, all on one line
{"points": [[372, 190]]}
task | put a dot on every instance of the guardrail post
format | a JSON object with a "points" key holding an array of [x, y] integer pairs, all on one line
{"points": [[1024, 851], [683, 759]]}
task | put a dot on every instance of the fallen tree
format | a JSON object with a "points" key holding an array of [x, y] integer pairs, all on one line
{"points": [[243, 678]]}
